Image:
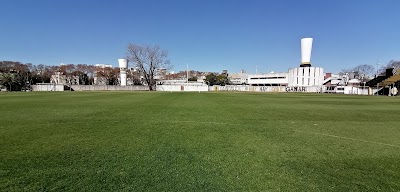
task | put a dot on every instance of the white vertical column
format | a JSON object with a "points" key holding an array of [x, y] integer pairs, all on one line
{"points": [[302, 82], [123, 64], [291, 73], [123, 78], [306, 76], [312, 75], [293, 78], [321, 75], [317, 74]]}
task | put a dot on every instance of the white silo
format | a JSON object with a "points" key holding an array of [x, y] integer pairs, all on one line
{"points": [[306, 47], [123, 64]]}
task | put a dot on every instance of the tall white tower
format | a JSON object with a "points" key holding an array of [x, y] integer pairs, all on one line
{"points": [[305, 75], [123, 64], [306, 47]]}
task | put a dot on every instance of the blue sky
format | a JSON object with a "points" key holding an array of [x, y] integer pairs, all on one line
{"points": [[209, 35]]}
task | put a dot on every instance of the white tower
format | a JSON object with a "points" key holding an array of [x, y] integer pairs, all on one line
{"points": [[306, 47], [305, 75], [123, 64]]}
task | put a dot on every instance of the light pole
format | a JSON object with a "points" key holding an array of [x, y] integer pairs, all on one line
{"points": [[377, 69], [362, 79], [364, 88], [377, 74], [377, 89]]}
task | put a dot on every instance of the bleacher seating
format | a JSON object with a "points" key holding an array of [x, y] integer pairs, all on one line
{"points": [[393, 79], [379, 79]]}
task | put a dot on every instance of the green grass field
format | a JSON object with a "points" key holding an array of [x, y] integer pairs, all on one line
{"points": [[154, 141]]}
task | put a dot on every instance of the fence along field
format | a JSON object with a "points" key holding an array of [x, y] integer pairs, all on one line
{"points": [[198, 88], [109, 141]]}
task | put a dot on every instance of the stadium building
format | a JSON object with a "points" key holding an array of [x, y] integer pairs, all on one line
{"points": [[303, 76]]}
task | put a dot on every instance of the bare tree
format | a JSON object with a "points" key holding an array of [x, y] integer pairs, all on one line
{"points": [[363, 72], [392, 64], [346, 71], [108, 75], [134, 77], [147, 59], [90, 71]]}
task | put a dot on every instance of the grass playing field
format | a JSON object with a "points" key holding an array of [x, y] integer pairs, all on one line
{"points": [[154, 141]]}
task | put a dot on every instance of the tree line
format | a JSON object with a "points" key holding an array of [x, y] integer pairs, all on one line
{"points": [[145, 59], [217, 79], [366, 72], [16, 75]]}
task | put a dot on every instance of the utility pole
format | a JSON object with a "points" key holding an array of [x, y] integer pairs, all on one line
{"points": [[187, 74], [363, 89], [377, 69], [377, 74]]}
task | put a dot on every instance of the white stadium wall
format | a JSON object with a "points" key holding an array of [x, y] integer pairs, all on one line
{"points": [[48, 87], [306, 76], [109, 88], [247, 88], [238, 88], [182, 87]]}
